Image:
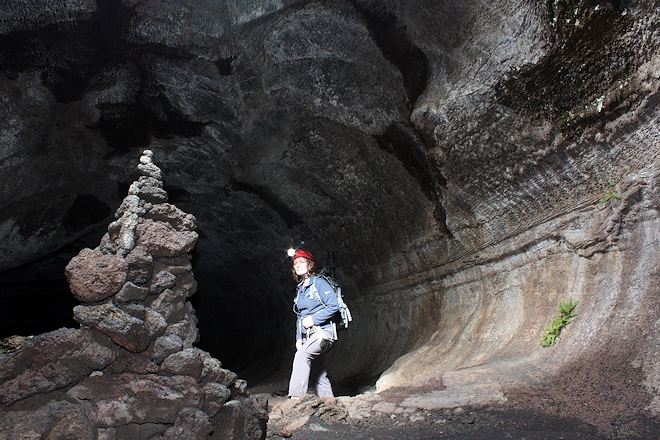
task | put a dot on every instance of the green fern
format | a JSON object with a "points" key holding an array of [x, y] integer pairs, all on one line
{"points": [[610, 193], [562, 319]]}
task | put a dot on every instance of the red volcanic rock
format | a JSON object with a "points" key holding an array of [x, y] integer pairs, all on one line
{"points": [[54, 420], [192, 424], [189, 362], [94, 276], [140, 265], [114, 400], [130, 332], [166, 212], [162, 240], [51, 361], [215, 395]]}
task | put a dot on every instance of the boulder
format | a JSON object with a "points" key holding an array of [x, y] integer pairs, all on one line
{"points": [[243, 418], [165, 346], [130, 204], [126, 238], [149, 181], [152, 194], [215, 395], [177, 265], [189, 362], [166, 212], [94, 276], [150, 170], [186, 329], [128, 362], [172, 305], [214, 373], [186, 283], [161, 281]]}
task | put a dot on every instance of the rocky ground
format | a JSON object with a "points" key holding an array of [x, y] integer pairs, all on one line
{"points": [[387, 415], [481, 424]]}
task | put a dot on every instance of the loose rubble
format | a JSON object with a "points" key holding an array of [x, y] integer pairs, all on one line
{"points": [[131, 371]]}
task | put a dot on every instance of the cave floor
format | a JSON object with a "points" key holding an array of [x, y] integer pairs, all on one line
{"points": [[473, 424], [381, 416], [316, 419]]}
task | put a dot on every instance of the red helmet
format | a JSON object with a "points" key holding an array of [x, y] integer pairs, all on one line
{"points": [[302, 253]]}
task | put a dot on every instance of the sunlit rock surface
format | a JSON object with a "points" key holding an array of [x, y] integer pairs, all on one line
{"points": [[451, 154]]}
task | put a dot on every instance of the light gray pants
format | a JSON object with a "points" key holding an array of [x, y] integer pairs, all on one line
{"points": [[309, 364]]}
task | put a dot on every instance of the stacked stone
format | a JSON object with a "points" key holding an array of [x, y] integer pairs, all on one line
{"points": [[131, 369], [137, 282]]}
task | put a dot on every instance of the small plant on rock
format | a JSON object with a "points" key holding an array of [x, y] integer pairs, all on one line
{"points": [[610, 193], [562, 319]]}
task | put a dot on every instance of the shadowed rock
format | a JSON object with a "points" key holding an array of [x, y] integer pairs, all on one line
{"points": [[191, 424], [55, 420], [51, 361], [116, 400], [126, 330]]}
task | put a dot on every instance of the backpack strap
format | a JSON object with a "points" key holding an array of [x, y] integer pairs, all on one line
{"points": [[315, 292]]}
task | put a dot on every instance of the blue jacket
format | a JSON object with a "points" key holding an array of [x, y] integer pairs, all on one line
{"points": [[309, 305]]}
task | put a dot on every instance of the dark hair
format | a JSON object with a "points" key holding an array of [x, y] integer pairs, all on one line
{"points": [[311, 268]]}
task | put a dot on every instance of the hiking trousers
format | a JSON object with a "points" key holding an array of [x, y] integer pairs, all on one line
{"points": [[309, 365]]}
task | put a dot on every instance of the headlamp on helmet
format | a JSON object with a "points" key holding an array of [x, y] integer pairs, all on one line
{"points": [[301, 253]]}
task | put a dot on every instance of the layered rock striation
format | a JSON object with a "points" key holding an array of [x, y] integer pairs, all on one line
{"points": [[131, 371]]}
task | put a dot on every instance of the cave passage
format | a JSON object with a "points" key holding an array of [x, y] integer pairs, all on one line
{"points": [[456, 156]]}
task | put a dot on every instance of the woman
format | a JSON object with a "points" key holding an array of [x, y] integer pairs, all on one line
{"points": [[308, 363]]}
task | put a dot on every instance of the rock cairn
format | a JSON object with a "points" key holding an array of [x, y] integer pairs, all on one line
{"points": [[135, 285], [130, 371]]}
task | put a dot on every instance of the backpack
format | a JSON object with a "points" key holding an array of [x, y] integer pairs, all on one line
{"points": [[343, 316]]}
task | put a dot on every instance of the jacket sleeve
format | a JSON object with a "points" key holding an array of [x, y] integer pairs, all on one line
{"points": [[327, 295]]}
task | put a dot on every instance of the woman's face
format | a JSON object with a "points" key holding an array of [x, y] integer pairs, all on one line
{"points": [[300, 266]]}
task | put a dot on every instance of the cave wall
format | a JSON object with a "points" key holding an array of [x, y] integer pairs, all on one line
{"points": [[275, 124], [452, 155]]}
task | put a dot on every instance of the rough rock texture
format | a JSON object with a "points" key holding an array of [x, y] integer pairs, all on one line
{"points": [[51, 361], [143, 398], [130, 372], [134, 333], [94, 276], [451, 153], [55, 420]]}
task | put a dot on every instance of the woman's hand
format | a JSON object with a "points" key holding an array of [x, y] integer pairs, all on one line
{"points": [[299, 344], [308, 322]]}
